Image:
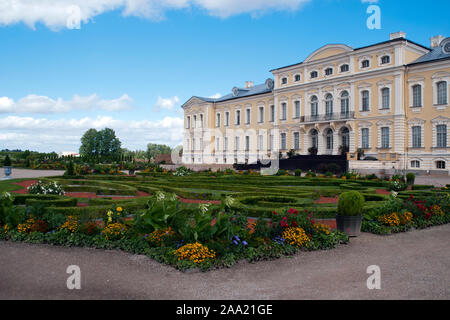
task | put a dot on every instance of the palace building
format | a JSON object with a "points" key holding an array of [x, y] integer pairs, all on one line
{"points": [[389, 99]]}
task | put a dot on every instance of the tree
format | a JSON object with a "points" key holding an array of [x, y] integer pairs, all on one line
{"points": [[156, 149], [100, 145]]}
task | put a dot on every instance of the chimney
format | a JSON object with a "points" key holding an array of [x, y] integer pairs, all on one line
{"points": [[397, 35], [248, 84], [436, 41]]}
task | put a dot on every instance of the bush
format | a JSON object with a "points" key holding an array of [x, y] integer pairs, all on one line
{"points": [[298, 172], [350, 203], [410, 178], [7, 161]]}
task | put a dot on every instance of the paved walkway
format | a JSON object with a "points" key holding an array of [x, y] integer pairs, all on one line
{"points": [[414, 265], [436, 180], [28, 173]]}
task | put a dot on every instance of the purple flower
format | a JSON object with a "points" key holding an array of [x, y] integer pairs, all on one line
{"points": [[244, 243], [235, 242]]}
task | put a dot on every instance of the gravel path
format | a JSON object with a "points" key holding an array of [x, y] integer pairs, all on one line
{"points": [[28, 173], [414, 265]]}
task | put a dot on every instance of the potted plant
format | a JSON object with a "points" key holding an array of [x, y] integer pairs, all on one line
{"points": [[313, 151], [7, 167], [349, 217], [131, 169]]}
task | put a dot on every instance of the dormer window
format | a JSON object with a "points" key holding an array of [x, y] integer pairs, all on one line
{"points": [[314, 74], [365, 64], [328, 71], [385, 60], [284, 80], [297, 78], [344, 68]]}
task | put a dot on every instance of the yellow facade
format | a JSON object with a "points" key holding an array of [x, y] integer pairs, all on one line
{"points": [[338, 99]]}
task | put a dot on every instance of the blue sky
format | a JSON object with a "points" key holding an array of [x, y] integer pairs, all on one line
{"points": [[132, 63]]}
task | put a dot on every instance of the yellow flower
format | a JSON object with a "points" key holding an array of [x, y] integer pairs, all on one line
{"points": [[119, 209], [296, 236]]}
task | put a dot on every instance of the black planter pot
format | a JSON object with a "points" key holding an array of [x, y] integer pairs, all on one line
{"points": [[351, 225]]}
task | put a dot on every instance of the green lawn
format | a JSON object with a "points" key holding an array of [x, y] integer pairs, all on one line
{"points": [[8, 185]]}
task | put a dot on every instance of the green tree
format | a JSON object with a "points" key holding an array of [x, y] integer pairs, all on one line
{"points": [[90, 144], [100, 145], [156, 149]]}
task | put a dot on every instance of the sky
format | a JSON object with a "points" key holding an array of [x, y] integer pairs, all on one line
{"points": [[70, 65]]}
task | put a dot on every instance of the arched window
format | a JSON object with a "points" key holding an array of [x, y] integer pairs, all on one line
{"points": [[385, 59], [297, 78], [440, 164], [415, 164], [442, 92], [314, 107], [385, 98], [329, 138], [417, 95], [345, 68], [329, 106], [365, 100], [344, 103], [441, 136], [314, 74], [328, 71], [284, 80], [365, 138], [365, 64]]}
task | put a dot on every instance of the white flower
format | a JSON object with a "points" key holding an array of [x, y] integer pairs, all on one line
{"points": [[229, 201], [394, 194], [204, 207], [160, 195]]}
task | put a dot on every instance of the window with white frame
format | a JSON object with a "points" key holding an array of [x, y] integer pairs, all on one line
{"points": [[440, 164], [272, 113], [194, 124], [218, 120], [385, 137], [345, 68], [365, 100], [236, 143], [415, 164], [441, 136], [247, 116], [283, 141], [314, 74], [284, 80], [328, 105], [417, 137], [238, 117], [217, 144], [201, 121], [297, 140], [385, 98], [365, 138], [328, 71], [247, 143], [329, 139], [260, 142], [225, 144], [365, 64], [296, 109], [283, 111], [271, 142], [297, 78], [345, 103], [417, 95], [385, 59], [314, 106], [261, 114], [227, 119], [441, 92], [188, 122], [193, 144]]}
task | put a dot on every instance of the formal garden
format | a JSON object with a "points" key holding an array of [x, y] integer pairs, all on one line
{"points": [[212, 219]]}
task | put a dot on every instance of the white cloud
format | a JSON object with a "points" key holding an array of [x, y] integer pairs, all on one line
{"points": [[45, 105], [58, 14], [64, 134], [166, 103], [215, 96]]}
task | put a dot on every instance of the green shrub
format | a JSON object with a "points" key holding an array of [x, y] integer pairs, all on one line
{"points": [[298, 172], [350, 203], [7, 161], [410, 178]]}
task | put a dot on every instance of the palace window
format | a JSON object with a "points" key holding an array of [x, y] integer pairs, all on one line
{"points": [[188, 122], [297, 78], [194, 124], [271, 142], [442, 92], [296, 140], [314, 106], [329, 138], [272, 113], [227, 119], [297, 109], [417, 95], [247, 116], [260, 142], [365, 138], [345, 68], [385, 60], [440, 164], [385, 132], [385, 98], [365, 100], [283, 141], [284, 80], [365, 64], [283, 111], [314, 74], [218, 120], [417, 137], [328, 71], [441, 136], [247, 143], [225, 144], [329, 105], [238, 117], [201, 121], [344, 103], [314, 139], [415, 164], [236, 143], [261, 114]]}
